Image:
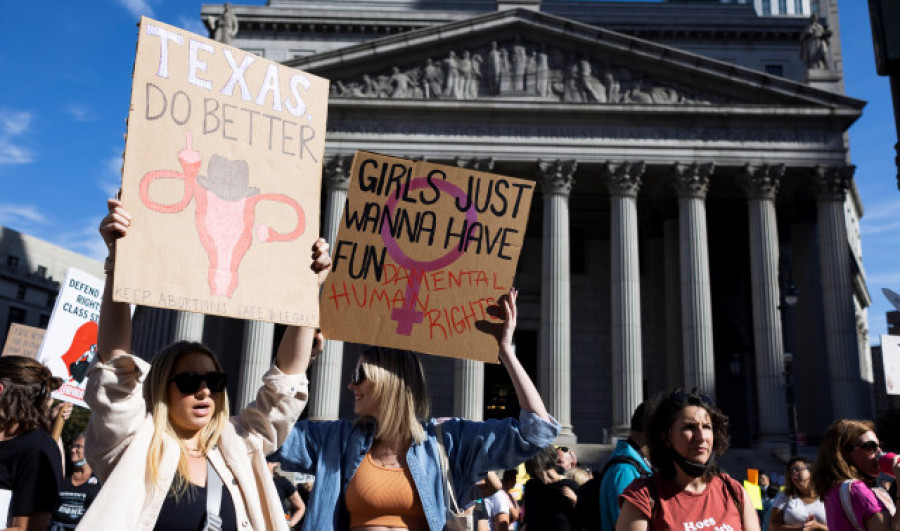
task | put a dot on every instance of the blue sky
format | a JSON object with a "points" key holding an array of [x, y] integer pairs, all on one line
{"points": [[67, 82]]}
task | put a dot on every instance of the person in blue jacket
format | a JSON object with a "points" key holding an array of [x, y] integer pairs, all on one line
{"points": [[626, 464], [384, 468]]}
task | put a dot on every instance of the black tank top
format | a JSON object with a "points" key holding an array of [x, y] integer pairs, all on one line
{"points": [[189, 512]]}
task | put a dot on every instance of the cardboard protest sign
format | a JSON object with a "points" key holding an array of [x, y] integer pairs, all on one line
{"points": [[222, 176], [422, 252], [890, 357], [71, 338], [23, 340], [755, 494]]}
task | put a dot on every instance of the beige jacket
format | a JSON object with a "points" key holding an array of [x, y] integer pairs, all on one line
{"points": [[118, 441]]}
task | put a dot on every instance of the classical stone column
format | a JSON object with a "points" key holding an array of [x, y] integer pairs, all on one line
{"points": [[674, 353], [189, 326], [556, 178], [325, 377], [256, 358], [623, 181], [692, 184], [848, 400], [468, 389], [761, 186]]}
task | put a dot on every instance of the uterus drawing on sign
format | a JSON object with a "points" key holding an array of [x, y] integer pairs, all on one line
{"points": [[225, 211]]}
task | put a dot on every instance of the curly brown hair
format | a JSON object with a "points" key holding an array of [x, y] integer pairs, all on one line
{"points": [[834, 463], [660, 423], [25, 397]]}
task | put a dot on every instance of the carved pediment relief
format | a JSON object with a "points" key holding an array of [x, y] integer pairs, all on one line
{"points": [[523, 56], [522, 69]]}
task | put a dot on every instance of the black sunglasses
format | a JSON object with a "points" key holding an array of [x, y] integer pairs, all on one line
{"points": [[359, 375], [681, 396], [189, 382], [869, 446]]}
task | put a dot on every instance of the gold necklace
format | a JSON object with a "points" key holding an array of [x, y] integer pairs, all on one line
{"points": [[382, 453]]}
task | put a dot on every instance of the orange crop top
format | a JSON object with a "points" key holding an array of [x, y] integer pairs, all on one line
{"points": [[380, 496]]}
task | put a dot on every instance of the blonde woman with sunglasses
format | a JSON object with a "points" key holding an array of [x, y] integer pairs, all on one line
{"points": [[160, 436], [383, 471], [849, 460]]}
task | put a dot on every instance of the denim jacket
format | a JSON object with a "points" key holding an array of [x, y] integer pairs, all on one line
{"points": [[333, 450]]}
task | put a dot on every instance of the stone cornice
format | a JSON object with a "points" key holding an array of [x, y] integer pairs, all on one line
{"points": [[557, 176], [658, 21]]}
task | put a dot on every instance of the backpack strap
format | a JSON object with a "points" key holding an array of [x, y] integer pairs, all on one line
{"points": [[736, 492], [214, 488], [627, 459], [653, 491], [847, 504]]}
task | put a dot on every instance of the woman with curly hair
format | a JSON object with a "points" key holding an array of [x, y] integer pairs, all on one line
{"points": [[30, 462], [687, 434], [848, 461], [798, 506], [160, 436]]}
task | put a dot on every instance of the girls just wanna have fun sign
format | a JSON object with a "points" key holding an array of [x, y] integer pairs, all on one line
{"points": [[423, 254], [222, 176]]}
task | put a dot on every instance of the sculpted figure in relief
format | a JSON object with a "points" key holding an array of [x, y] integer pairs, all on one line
{"points": [[432, 79], [572, 87], [814, 44], [494, 69], [224, 27], [451, 75], [519, 65], [401, 84], [542, 73], [590, 86], [466, 77]]}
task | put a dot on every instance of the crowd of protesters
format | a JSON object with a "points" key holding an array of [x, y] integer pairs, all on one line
{"points": [[161, 451]]}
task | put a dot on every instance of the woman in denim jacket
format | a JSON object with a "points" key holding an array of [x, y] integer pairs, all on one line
{"points": [[391, 433]]}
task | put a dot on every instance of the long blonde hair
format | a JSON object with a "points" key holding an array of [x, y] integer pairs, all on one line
{"points": [[834, 463], [400, 390], [156, 397]]}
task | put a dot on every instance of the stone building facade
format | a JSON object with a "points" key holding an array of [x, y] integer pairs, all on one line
{"points": [[693, 170], [31, 273]]}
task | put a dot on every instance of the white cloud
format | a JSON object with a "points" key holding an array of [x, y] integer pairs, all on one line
{"points": [[137, 7], [871, 229], [882, 210], [13, 124], [193, 24], [85, 240], [79, 112], [886, 279], [13, 154], [20, 215], [111, 176]]}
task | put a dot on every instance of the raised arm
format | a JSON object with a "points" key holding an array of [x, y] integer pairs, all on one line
{"points": [[528, 395], [114, 332], [296, 348]]}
